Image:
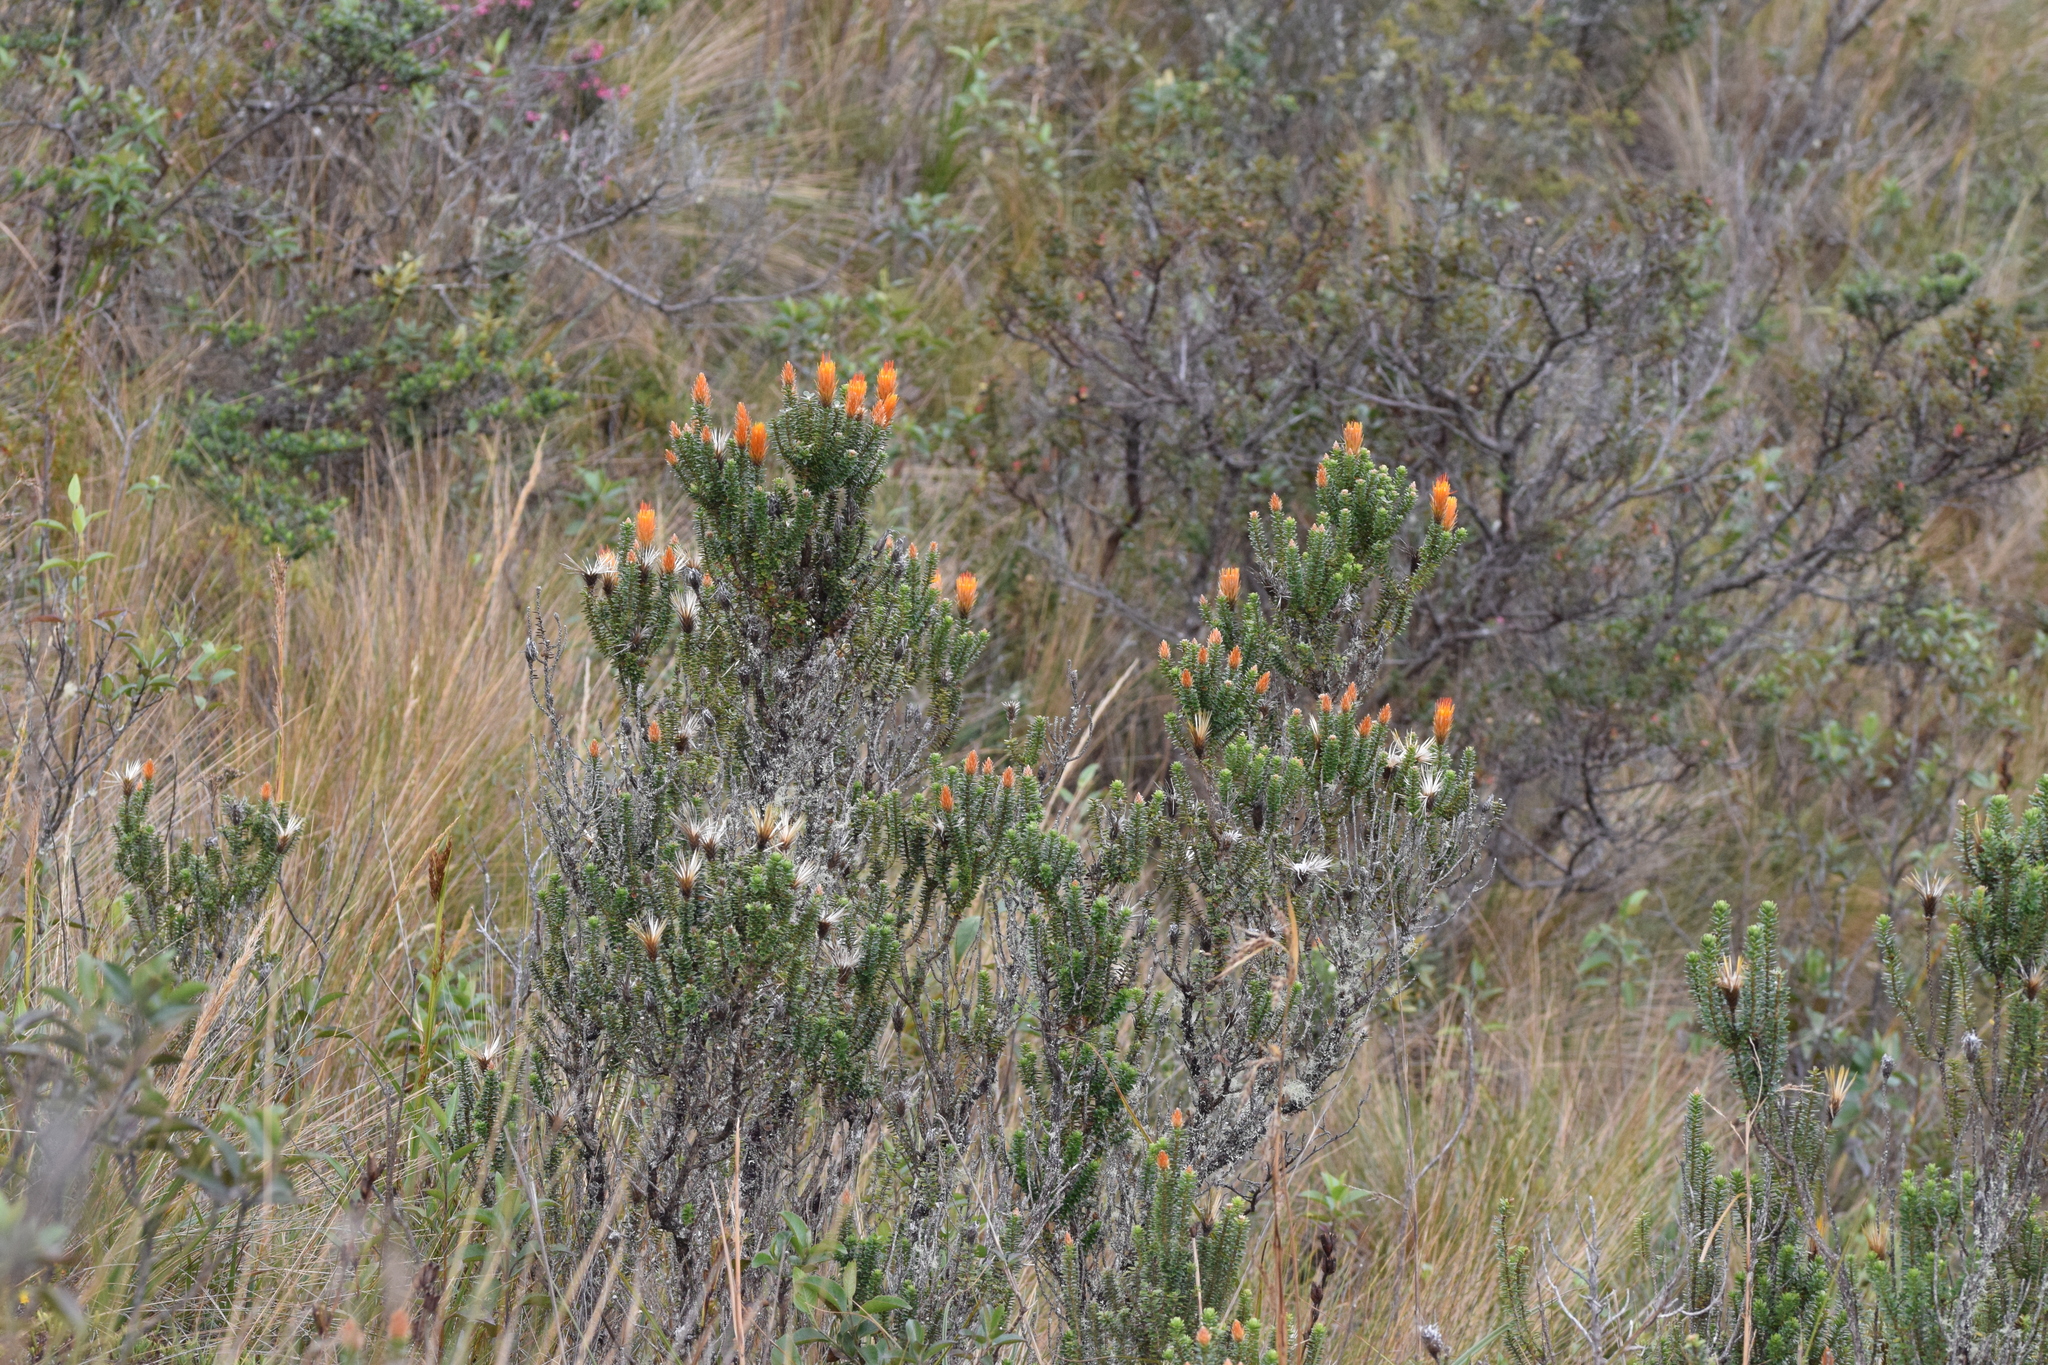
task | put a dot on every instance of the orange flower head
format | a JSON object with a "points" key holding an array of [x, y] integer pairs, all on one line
{"points": [[828, 379], [701, 390], [593, 749], [973, 761], [643, 526], [1445, 709], [668, 558], [1230, 585], [1202, 656], [1236, 1327], [1274, 502], [675, 432], [856, 394], [1354, 437], [1187, 679], [670, 456], [654, 732], [149, 770], [1325, 702], [1215, 636], [1203, 1336], [1236, 659], [1365, 727], [1439, 496], [1009, 778], [1165, 650], [741, 422], [1350, 698], [885, 381], [263, 793], [988, 767], [1387, 714], [946, 799], [1164, 1160], [757, 442], [1449, 516], [1265, 681], [788, 375], [1179, 1119], [401, 1325], [964, 589], [885, 411], [1322, 476]]}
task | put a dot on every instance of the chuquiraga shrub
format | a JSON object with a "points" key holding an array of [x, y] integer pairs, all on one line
{"points": [[816, 990], [1783, 1252]]}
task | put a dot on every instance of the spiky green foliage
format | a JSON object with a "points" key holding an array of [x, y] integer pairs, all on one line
{"points": [[197, 900], [782, 929]]}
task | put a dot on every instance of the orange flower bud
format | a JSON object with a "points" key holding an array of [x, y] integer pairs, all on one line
{"points": [[946, 799], [1164, 1161], [263, 792], [1236, 1327], [670, 456], [1350, 698], [1202, 656], [1179, 1119], [973, 760], [1187, 679], [1387, 714], [1445, 709], [675, 433], [1265, 681], [788, 375], [643, 526], [400, 1325], [1324, 702], [885, 381], [1274, 502], [1009, 778], [856, 394], [701, 390], [988, 767], [668, 558], [1215, 636], [741, 423], [964, 589], [1165, 651], [1365, 727], [1203, 1336], [1354, 437], [1322, 476], [149, 770], [757, 442], [1236, 659], [885, 411], [828, 379], [1439, 494], [1229, 586], [1449, 516], [654, 732], [593, 748]]}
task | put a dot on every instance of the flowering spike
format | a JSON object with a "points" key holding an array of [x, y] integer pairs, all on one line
{"points": [[988, 767], [675, 432], [741, 423], [1449, 516], [1322, 476], [1274, 502], [1236, 659], [1179, 1119], [1445, 709], [1164, 1160], [757, 442], [1439, 496], [1165, 650], [1187, 679], [654, 732], [885, 382], [1202, 656], [1009, 778], [885, 410], [1229, 585], [1265, 681], [856, 394], [1350, 698], [263, 793], [1387, 714], [788, 375], [643, 526], [1354, 437], [149, 770], [964, 589], [828, 379], [701, 390], [946, 799]]}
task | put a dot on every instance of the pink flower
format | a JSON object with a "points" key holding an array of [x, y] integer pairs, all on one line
{"points": [[533, 116]]}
